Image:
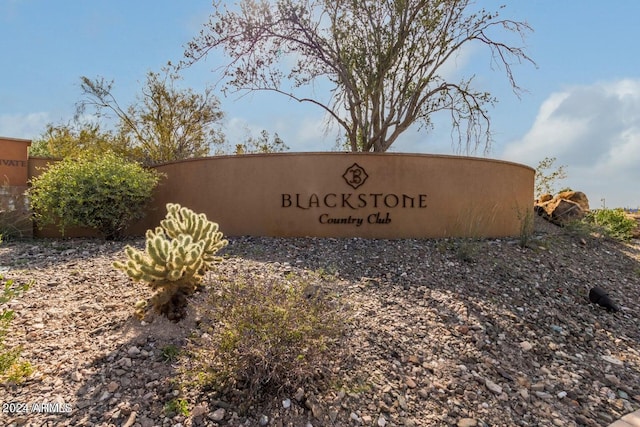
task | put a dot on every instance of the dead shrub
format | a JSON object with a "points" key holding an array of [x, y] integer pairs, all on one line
{"points": [[265, 339]]}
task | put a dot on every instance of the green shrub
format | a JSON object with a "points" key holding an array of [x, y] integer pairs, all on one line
{"points": [[169, 353], [467, 250], [11, 369], [176, 407], [102, 192], [176, 256], [265, 338], [613, 222]]}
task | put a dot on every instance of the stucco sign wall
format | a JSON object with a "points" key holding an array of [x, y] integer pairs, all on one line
{"points": [[350, 195], [14, 174], [13, 162], [357, 204]]}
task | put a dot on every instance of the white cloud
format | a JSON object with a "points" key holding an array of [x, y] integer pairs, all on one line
{"points": [[26, 126], [316, 133], [595, 131]]}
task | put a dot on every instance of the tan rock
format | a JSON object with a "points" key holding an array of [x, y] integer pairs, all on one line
{"points": [[577, 197], [526, 346], [563, 208], [566, 211], [545, 198], [410, 382]]}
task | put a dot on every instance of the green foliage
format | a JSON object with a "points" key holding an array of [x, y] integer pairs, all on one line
{"points": [[266, 337], [547, 178], [11, 369], [18, 372], [103, 192], [165, 123], [169, 353], [613, 223], [262, 144], [176, 256], [77, 138], [176, 407]]}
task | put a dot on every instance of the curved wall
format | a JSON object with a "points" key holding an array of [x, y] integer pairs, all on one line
{"points": [[349, 195]]}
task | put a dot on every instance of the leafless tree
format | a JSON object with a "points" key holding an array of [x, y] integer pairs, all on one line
{"points": [[384, 59]]}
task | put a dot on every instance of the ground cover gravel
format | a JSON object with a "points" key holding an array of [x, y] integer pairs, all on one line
{"points": [[445, 332]]}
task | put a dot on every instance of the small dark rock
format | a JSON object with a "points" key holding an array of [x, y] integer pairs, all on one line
{"points": [[599, 296]]}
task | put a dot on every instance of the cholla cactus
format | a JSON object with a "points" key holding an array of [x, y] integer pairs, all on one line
{"points": [[183, 221], [176, 256]]}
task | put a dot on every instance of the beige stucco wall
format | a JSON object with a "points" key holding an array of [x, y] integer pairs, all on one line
{"points": [[13, 161], [39, 164], [15, 218], [306, 194]]}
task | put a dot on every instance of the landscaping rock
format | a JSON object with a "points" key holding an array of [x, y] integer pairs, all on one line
{"points": [[564, 208], [431, 339]]}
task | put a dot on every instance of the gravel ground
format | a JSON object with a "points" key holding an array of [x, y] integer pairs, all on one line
{"points": [[443, 333]]}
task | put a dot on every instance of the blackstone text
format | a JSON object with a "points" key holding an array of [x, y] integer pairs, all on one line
{"points": [[354, 201]]}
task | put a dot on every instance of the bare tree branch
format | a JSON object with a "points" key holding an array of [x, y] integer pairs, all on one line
{"points": [[386, 59]]}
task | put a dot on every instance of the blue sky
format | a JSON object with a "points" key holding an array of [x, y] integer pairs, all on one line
{"points": [[582, 104]]}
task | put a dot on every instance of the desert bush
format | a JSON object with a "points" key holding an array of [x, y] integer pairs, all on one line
{"points": [[467, 249], [103, 192], [11, 368], [15, 215], [547, 178], [613, 223], [15, 224], [580, 228], [265, 339], [8, 228], [176, 256]]}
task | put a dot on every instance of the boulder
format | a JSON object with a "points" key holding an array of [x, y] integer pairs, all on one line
{"points": [[563, 208], [545, 198], [576, 196]]}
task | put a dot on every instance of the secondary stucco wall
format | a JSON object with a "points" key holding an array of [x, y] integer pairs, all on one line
{"points": [[308, 194], [13, 161], [14, 173]]}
